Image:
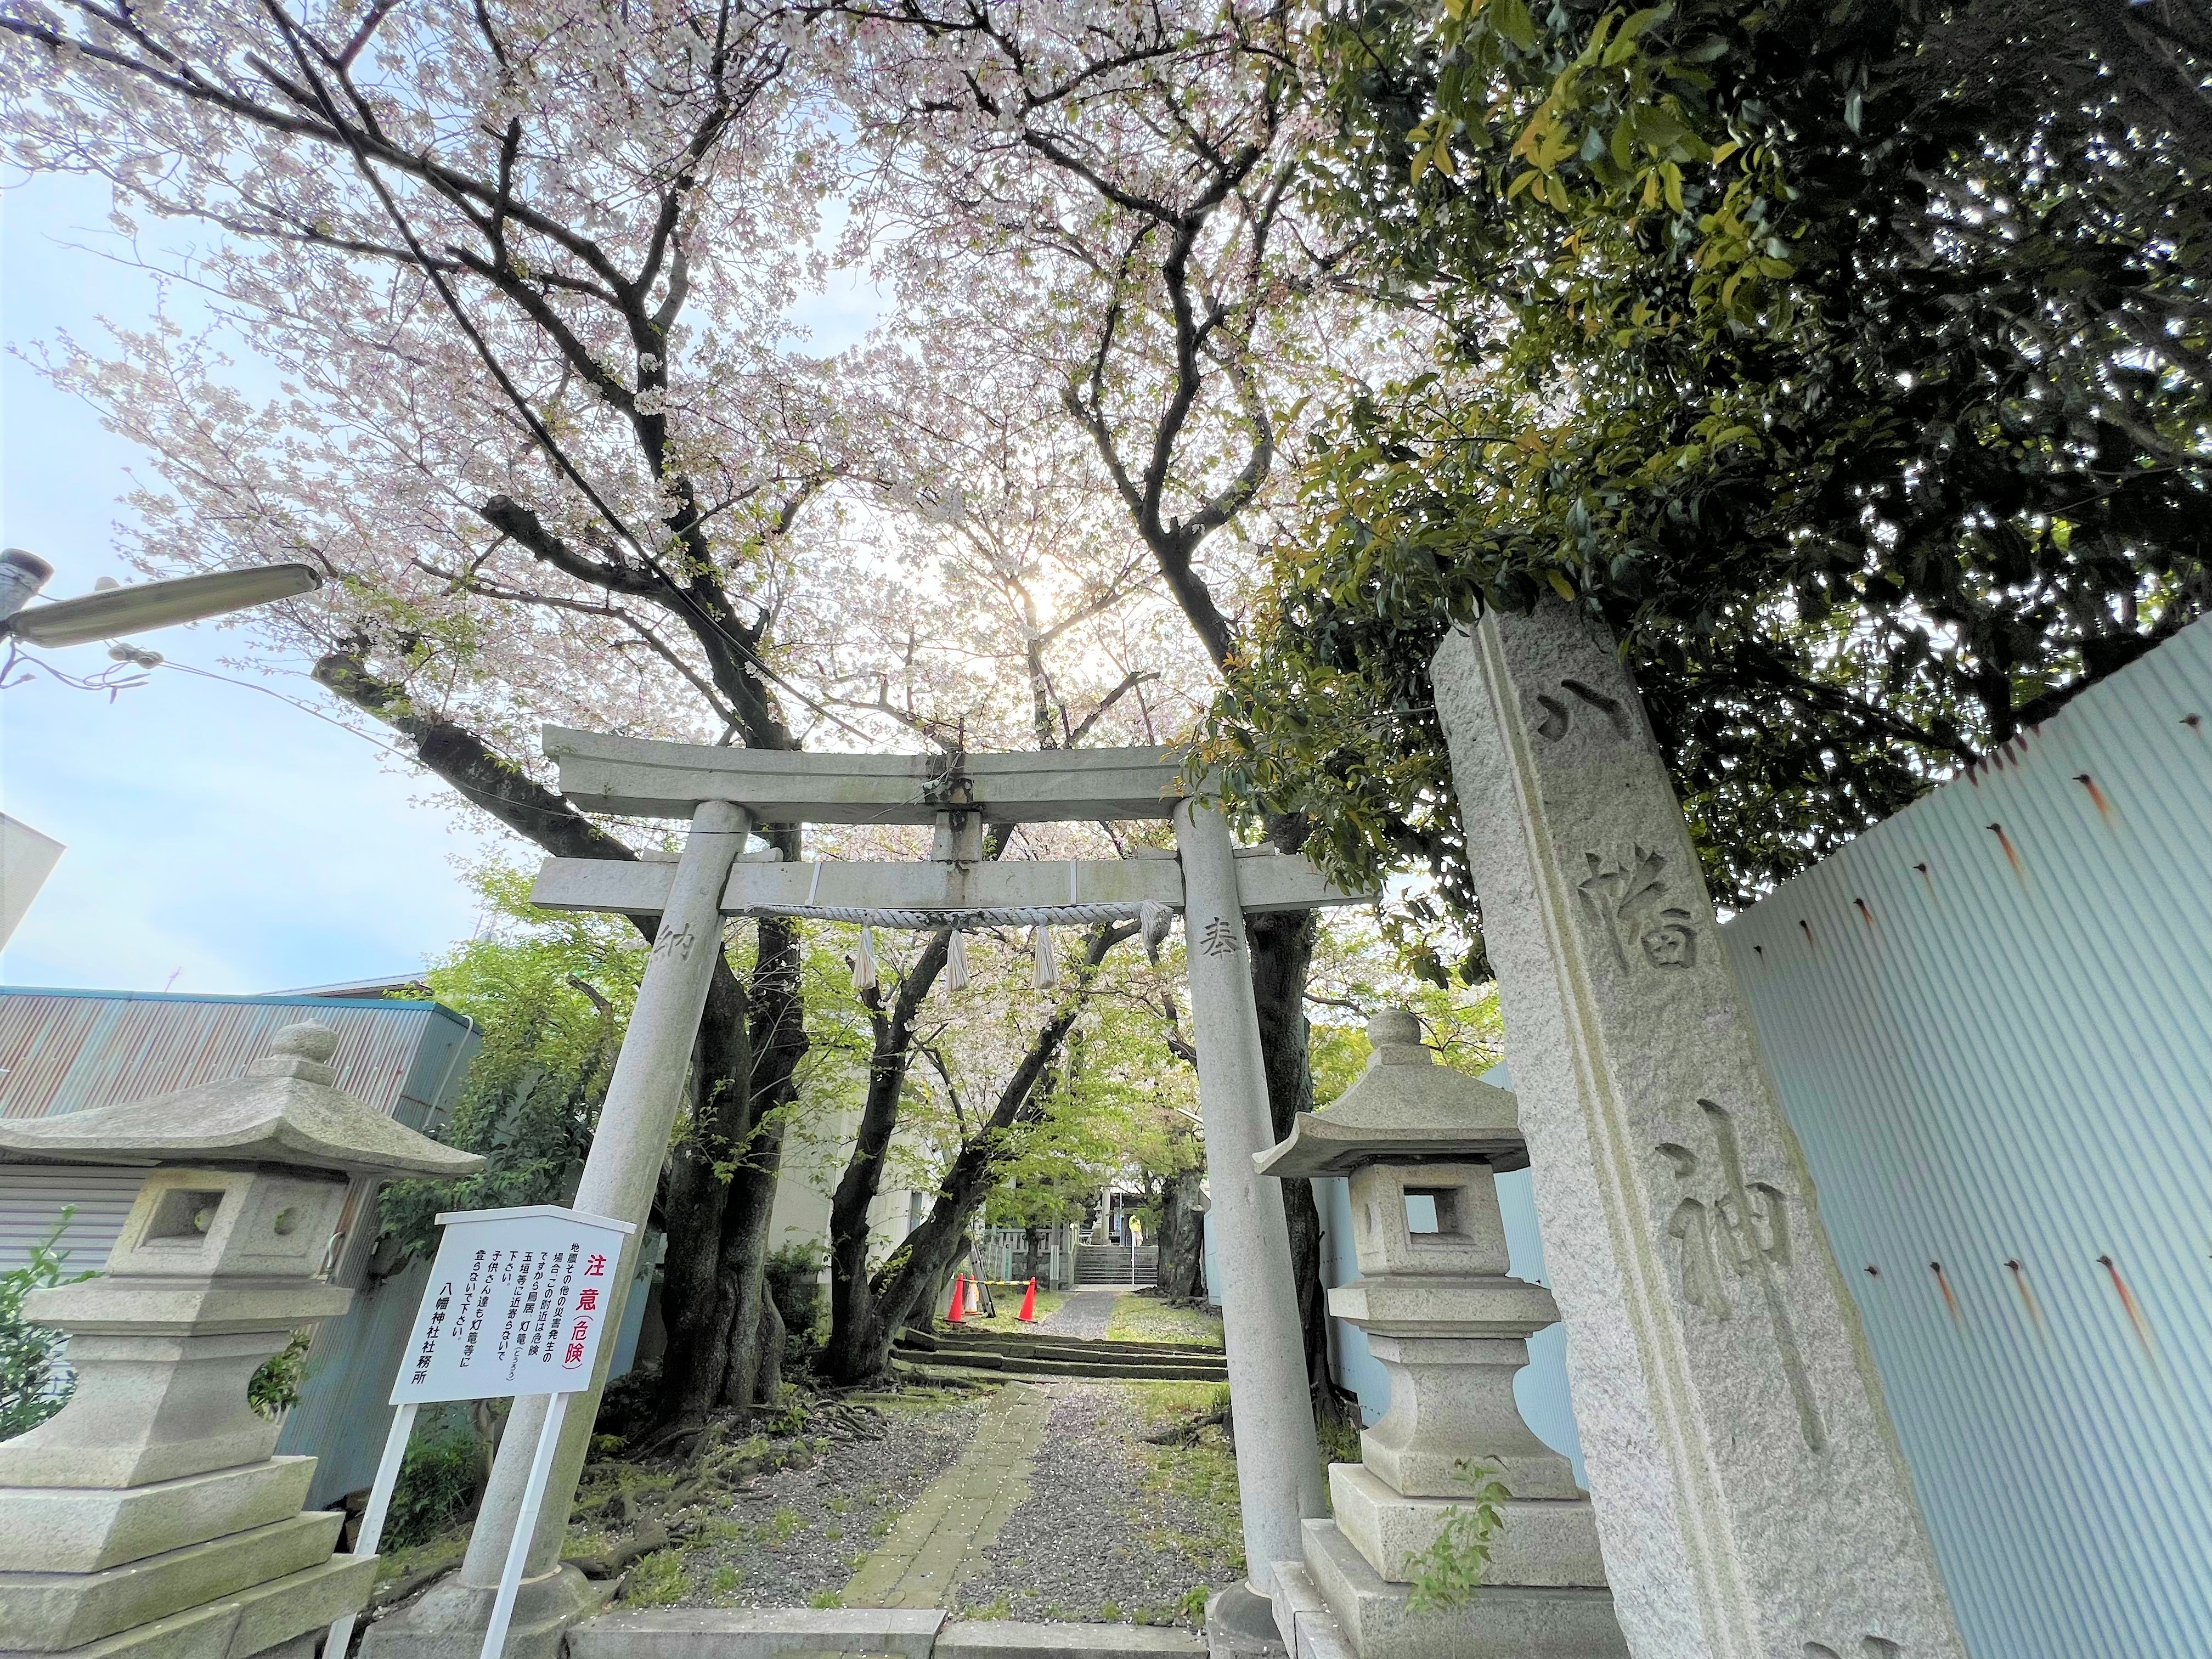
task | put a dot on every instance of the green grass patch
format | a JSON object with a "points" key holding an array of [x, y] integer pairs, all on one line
{"points": [[658, 1581], [1340, 1436], [782, 1527], [1164, 1403], [1147, 1319], [1202, 1474]]}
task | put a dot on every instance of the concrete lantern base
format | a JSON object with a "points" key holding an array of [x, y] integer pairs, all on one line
{"points": [[1549, 1543], [54, 1612], [1503, 1622], [449, 1620], [268, 1616], [85, 1529]]}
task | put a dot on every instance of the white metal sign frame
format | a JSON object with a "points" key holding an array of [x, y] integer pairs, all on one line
{"points": [[517, 1304]]}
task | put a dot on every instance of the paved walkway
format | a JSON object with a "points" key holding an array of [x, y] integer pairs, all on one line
{"points": [[1084, 1314], [940, 1542]]}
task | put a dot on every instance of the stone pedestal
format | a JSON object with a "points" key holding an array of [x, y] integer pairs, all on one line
{"points": [[1421, 1146], [1751, 1496], [451, 1618], [147, 1516]]}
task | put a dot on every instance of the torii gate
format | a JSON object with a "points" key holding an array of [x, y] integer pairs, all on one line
{"points": [[724, 793]]}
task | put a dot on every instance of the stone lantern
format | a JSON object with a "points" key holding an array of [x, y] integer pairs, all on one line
{"points": [[147, 1517], [1421, 1146]]}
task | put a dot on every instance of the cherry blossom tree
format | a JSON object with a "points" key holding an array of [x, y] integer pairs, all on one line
{"points": [[523, 270], [1110, 198], [520, 269], [1005, 611]]}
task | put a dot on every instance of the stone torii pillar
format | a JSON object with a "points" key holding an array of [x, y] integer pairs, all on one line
{"points": [[626, 1156], [1277, 1455], [1752, 1499]]}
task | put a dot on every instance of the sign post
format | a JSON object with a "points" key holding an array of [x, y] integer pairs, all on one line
{"points": [[516, 1304]]}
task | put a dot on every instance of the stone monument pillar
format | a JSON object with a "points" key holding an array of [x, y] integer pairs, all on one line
{"points": [[1751, 1495], [1422, 1147], [147, 1516]]}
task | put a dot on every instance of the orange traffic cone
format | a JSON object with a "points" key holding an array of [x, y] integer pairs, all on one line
{"points": [[1028, 1304], [957, 1312]]}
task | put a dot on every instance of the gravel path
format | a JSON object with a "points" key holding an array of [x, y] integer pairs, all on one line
{"points": [[945, 1538], [799, 1533], [1084, 1314], [1103, 1537]]}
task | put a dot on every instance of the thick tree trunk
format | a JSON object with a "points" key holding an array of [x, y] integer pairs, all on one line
{"points": [[1182, 1237], [1032, 1250], [1282, 954], [778, 1039], [720, 1188], [767, 1379], [851, 1353], [699, 1302]]}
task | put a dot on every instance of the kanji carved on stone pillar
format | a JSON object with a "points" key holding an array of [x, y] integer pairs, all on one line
{"points": [[1750, 1495]]}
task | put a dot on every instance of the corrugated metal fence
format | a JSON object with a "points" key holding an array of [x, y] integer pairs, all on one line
{"points": [[1990, 1020]]}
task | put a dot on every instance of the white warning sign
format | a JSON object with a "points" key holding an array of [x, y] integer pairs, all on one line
{"points": [[517, 1304]]}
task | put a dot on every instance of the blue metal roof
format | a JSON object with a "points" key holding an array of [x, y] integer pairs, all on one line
{"points": [[68, 1050]]}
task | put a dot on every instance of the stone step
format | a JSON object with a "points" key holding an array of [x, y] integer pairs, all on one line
{"points": [[1504, 1621], [1101, 1354], [87, 1528], [755, 1632], [1088, 1345], [1186, 1370], [900, 1634], [955, 1376], [1309, 1630], [1072, 1348], [52, 1612], [1014, 1638], [251, 1622]]}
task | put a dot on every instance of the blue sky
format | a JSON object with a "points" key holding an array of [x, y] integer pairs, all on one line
{"points": [[220, 840]]}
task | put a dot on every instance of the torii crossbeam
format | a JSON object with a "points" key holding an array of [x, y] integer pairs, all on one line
{"points": [[725, 792]]}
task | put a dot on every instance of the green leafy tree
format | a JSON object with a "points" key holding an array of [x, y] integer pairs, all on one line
{"points": [[551, 992], [1365, 964], [1849, 361], [1078, 1143]]}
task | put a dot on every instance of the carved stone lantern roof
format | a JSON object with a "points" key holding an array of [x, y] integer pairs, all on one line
{"points": [[288, 1109], [1405, 1109]]}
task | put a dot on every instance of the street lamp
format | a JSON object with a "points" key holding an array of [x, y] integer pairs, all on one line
{"points": [[134, 609], [27, 856]]}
